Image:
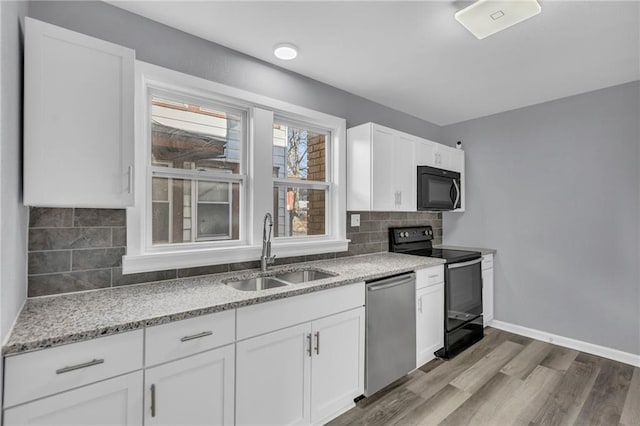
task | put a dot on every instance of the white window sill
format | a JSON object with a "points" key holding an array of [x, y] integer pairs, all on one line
{"points": [[204, 257]]}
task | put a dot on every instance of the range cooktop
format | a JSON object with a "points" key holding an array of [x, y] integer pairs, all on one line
{"points": [[450, 256], [417, 241]]}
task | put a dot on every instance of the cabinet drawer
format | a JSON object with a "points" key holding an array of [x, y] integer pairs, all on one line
{"points": [[429, 276], [487, 261], [271, 316], [48, 371], [183, 338]]}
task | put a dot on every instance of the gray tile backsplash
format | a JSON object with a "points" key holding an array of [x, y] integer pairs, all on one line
{"points": [[81, 249]]}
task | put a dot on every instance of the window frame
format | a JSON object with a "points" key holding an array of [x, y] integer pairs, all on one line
{"points": [[256, 180], [327, 186], [210, 101]]}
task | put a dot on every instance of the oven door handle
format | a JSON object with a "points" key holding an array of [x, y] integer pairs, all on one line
{"points": [[463, 264]]}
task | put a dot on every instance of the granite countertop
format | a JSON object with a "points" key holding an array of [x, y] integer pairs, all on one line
{"points": [[56, 320], [481, 250]]}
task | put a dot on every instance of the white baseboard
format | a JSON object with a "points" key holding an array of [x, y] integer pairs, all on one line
{"points": [[579, 345]]}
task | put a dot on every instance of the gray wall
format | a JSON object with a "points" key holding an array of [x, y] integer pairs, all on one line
{"points": [[170, 48], [13, 216], [555, 189]]}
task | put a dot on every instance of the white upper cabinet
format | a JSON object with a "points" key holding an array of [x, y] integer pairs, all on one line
{"points": [[381, 167], [381, 173], [440, 156], [78, 119]]}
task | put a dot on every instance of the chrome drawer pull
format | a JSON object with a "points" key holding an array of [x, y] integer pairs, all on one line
{"points": [[79, 366], [196, 336], [153, 400], [433, 276]]}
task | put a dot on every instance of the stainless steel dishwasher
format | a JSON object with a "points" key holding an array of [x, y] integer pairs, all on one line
{"points": [[391, 330]]}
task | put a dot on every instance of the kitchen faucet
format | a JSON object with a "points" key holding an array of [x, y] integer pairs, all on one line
{"points": [[266, 259]]}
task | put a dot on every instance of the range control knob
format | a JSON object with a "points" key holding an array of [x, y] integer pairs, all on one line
{"points": [[427, 232]]}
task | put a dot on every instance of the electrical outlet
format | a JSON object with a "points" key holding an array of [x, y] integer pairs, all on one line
{"points": [[355, 220]]}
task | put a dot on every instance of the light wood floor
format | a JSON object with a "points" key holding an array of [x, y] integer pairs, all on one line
{"points": [[506, 379]]}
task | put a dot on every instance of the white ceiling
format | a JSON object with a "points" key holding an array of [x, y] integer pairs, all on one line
{"points": [[414, 56]]}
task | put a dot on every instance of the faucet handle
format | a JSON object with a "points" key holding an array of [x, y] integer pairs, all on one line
{"points": [[271, 260]]}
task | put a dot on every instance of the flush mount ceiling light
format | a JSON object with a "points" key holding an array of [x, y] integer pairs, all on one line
{"points": [[487, 17], [285, 51]]}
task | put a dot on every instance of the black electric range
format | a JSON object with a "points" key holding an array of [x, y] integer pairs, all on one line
{"points": [[463, 322]]}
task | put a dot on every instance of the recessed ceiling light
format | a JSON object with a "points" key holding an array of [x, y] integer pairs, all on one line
{"points": [[487, 17], [285, 51]]}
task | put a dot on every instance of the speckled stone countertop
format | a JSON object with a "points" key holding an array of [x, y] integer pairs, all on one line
{"points": [[56, 320], [481, 250]]}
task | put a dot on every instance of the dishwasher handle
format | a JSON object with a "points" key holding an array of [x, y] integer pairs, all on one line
{"points": [[391, 282]]}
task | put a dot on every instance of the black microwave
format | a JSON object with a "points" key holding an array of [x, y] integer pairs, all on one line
{"points": [[438, 189]]}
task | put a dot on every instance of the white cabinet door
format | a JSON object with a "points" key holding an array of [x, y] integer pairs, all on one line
{"points": [[429, 322], [443, 156], [78, 119], [405, 173], [384, 191], [426, 153], [337, 371], [115, 401], [273, 378], [457, 160], [197, 390], [487, 295]]}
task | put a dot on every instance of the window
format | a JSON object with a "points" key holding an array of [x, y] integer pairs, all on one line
{"points": [[196, 166], [211, 160], [300, 164]]}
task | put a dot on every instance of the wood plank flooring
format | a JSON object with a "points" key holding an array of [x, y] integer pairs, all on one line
{"points": [[506, 379]]}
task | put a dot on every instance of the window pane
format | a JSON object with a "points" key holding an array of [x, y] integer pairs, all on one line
{"points": [[299, 211], [187, 217], [213, 191], [186, 136], [159, 190], [160, 214], [298, 153], [213, 220]]}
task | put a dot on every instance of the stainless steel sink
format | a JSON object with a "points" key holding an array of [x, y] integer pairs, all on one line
{"points": [[298, 277], [255, 284]]}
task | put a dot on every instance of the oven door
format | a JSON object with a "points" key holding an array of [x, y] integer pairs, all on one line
{"points": [[437, 192], [463, 292]]}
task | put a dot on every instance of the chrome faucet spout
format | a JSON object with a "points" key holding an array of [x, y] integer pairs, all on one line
{"points": [[266, 259]]}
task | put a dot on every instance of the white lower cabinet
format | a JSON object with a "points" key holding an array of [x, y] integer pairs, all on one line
{"points": [[197, 390], [487, 289], [302, 374], [273, 384], [429, 322], [116, 401], [293, 361], [337, 365]]}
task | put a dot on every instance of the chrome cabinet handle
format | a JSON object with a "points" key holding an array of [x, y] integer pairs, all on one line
{"points": [[433, 276], [309, 344], [79, 366], [153, 400], [130, 179], [420, 305], [317, 343], [196, 336]]}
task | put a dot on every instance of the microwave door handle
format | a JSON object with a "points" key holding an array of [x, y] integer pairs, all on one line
{"points": [[455, 184]]}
